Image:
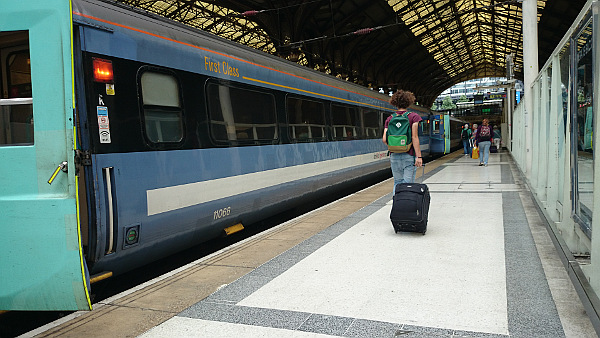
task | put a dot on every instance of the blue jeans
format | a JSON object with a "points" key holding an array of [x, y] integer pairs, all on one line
{"points": [[484, 151], [467, 147], [403, 168]]}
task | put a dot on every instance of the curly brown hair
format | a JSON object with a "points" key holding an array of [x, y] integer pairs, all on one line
{"points": [[402, 98]]}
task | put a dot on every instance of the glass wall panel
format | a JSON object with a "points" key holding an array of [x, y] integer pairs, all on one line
{"points": [[583, 127], [564, 59]]}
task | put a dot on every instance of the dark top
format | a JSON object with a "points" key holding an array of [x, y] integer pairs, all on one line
{"points": [[478, 134]]}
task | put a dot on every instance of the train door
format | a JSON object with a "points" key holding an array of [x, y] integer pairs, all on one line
{"points": [[41, 260], [447, 133]]}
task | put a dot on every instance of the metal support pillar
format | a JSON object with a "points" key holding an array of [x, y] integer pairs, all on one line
{"points": [[530, 72], [510, 98]]}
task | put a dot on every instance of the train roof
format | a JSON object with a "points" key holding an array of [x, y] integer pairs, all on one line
{"points": [[111, 15]]}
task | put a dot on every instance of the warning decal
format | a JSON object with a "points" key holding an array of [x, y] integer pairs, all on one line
{"points": [[103, 124]]}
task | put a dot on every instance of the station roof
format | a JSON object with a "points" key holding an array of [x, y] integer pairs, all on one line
{"points": [[424, 46]]}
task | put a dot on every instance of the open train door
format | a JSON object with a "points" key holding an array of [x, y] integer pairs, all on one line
{"points": [[41, 262]]}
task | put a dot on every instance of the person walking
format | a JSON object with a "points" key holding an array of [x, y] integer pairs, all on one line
{"points": [[404, 165], [497, 137], [472, 141], [465, 135], [484, 141]]}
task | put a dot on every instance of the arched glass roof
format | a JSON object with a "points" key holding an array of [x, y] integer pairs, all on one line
{"points": [[212, 18]]}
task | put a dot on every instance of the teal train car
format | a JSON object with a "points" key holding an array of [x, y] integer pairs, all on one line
{"points": [[445, 133], [41, 257]]}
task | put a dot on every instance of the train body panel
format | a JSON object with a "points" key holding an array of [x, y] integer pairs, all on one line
{"points": [[196, 184], [41, 256], [198, 193], [445, 134]]}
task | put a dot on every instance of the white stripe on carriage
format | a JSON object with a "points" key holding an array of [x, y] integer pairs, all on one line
{"points": [[186, 195]]}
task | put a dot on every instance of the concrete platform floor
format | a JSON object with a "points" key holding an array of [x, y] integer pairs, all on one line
{"points": [[485, 268]]}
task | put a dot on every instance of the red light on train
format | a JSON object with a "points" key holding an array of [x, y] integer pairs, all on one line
{"points": [[103, 71]]}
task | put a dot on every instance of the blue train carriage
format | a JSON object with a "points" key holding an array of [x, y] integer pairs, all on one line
{"points": [[445, 133], [126, 137], [424, 129]]}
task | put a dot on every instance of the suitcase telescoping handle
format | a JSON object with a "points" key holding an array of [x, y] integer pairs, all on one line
{"points": [[423, 174]]}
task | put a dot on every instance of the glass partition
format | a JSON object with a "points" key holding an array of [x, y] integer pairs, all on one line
{"points": [[582, 146], [564, 62]]}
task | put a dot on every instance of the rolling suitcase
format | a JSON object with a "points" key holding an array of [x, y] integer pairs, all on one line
{"points": [[410, 207]]}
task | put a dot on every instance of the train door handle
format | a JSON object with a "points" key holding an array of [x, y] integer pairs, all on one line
{"points": [[111, 238], [63, 167]]}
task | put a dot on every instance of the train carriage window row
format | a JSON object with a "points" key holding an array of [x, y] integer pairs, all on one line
{"points": [[239, 115]]}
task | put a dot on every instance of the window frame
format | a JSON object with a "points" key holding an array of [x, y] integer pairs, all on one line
{"points": [[378, 134], [248, 88], [7, 103], [580, 212], [326, 125], [357, 117], [165, 144]]}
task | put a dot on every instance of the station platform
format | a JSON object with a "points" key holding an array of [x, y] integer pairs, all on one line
{"points": [[485, 268]]}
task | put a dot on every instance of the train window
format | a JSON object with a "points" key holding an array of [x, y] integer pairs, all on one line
{"points": [[436, 126], [345, 122], [16, 103], [19, 74], [238, 114], [371, 123], [163, 114], [425, 127], [306, 119]]}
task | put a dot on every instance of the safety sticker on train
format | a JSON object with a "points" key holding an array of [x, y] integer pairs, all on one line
{"points": [[103, 124]]}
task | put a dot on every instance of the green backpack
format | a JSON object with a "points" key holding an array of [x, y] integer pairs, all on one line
{"points": [[399, 134]]}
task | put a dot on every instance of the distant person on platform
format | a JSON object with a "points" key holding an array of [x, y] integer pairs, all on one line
{"points": [[465, 135], [404, 165], [484, 141], [497, 137], [473, 144]]}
